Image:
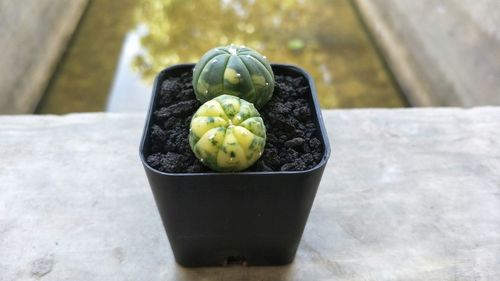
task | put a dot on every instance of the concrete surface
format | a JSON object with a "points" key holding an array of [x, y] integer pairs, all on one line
{"points": [[33, 36], [410, 194], [443, 53]]}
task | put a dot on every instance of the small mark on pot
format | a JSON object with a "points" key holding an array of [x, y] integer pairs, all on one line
{"points": [[42, 266], [235, 261]]}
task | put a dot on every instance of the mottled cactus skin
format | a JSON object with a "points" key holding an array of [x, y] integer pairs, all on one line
{"points": [[227, 134], [234, 70]]}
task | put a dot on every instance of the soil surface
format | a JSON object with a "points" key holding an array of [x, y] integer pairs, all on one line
{"points": [[292, 143]]}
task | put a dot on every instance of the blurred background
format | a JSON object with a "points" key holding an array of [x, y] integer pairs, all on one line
{"points": [[97, 55]]}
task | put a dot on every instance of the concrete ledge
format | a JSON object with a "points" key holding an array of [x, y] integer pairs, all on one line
{"points": [[409, 194], [34, 36]]}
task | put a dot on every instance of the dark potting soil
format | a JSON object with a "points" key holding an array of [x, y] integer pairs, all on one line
{"points": [[291, 143]]}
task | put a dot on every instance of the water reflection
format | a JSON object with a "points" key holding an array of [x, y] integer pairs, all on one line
{"points": [[322, 36], [129, 92]]}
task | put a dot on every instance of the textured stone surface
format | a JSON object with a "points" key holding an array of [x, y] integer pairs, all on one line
{"points": [[411, 194], [33, 35], [442, 52]]}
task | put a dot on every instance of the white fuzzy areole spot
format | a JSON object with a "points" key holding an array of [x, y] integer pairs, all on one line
{"points": [[260, 153], [231, 159], [211, 137], [206, 92], [201, 159], [232, 50], [214, 60], [267, 84], [238, 75]]}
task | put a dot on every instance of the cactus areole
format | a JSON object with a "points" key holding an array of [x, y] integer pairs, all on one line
{"points": [[234, 70], [227, 134]]}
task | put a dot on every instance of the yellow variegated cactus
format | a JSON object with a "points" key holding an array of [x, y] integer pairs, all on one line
{"points": [[227, 134]]}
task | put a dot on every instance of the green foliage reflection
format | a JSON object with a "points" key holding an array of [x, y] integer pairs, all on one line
{"points": [[325, 37]]}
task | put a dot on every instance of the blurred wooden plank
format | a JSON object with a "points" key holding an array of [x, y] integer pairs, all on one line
{"points": [[34, 34], [444, 53]]}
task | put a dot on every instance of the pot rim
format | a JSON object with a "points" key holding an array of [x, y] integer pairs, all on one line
{"points": [[322, 129]]}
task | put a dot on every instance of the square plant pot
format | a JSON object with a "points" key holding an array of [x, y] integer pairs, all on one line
{"points": [[251, 218]]}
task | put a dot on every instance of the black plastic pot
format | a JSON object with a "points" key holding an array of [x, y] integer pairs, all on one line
{"points": [[252, 218]]}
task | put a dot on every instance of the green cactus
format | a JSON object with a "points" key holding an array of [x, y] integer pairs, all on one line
{"points": [[233, 70], [227, 134]]}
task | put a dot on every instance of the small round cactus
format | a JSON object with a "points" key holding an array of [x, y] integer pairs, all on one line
{"points": [[233, 70], [227, 134]]}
